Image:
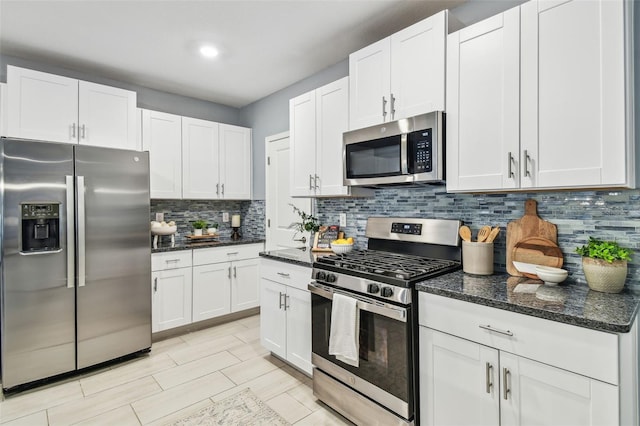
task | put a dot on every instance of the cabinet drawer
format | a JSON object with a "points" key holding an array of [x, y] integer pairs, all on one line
{"points": [[285, 273], [170, 260], [581, 350], [226, 254]]}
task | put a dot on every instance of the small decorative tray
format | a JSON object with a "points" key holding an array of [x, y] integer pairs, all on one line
{"points": [[202, 237]]}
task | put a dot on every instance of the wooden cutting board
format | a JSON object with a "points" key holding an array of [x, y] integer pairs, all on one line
{"points": [[529, 225], [538, 251]]}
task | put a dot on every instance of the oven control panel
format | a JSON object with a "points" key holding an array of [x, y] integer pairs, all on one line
{"points": [[406, 228], [350, 283]]}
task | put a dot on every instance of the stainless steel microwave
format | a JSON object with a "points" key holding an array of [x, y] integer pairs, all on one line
{"points": [[405, 151]]}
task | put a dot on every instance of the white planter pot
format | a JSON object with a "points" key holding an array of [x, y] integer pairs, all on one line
{"points": [[604, 276], [197, 232]]}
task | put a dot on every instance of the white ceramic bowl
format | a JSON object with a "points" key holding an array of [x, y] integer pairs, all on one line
{"points": [[341, 248], [163, 230], [550, 275]]}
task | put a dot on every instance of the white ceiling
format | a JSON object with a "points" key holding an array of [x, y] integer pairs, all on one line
{"points": [[265, 45]]}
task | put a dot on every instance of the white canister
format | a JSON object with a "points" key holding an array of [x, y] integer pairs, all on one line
{"points": [[477, 258]]}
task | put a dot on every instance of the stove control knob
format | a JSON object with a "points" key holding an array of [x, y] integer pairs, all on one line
{"points": [[331, 278], [373, 288], [321, 276], [387, 292]]}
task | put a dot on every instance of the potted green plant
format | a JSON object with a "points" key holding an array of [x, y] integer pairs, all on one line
{"points": [[198, 226], [604, 264], [308, 224]]}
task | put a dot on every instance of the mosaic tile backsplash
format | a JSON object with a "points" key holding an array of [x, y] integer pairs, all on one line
{"points": [[184, 212], [606, 215]]}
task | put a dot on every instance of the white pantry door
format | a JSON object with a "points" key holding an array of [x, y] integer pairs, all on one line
{"points": [[279, 213]]}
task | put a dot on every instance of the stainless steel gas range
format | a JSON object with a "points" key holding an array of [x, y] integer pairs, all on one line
{"points": [[383, 387]]}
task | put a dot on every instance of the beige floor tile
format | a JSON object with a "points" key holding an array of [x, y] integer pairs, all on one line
{"points": [[166, 345], [245, 351], [179, 397], [252, 321], [303, 393], [137, 369], [102, 402], [269, 385], [195, 369], [207, 334], [212, 346], [324, 417], [180, 414], [39, 399], [250, 369], [35, 419], [288, 407], [249, 335], [123, 416]]}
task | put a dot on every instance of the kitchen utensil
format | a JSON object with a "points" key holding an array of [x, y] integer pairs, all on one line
{"points": [[465, 233], [529, 225], [492, 235], [537, 251], [483, 233]]}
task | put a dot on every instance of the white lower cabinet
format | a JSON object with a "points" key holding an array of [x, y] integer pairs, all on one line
{"points": [[478, 366], [225, 280], [285, 312], [170, 290]]}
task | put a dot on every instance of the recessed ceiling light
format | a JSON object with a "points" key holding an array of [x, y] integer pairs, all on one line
{"points": [[208, 51]]}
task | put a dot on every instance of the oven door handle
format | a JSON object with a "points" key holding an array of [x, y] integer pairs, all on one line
{"points": [[365, 304]]}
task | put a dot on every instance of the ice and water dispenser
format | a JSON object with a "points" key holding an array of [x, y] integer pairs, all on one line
{"points": [[40, 227]]}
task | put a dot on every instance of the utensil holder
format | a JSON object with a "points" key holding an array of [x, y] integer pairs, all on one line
{"points": [[477, 258]]}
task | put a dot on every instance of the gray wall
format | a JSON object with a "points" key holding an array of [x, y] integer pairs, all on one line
{"points": [[147, 98], [270, 116]]}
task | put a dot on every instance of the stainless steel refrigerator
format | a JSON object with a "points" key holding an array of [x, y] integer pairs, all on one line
{"points": [[75, 260]]}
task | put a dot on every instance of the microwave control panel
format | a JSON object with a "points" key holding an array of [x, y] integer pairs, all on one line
{"points": [[420, 151]]}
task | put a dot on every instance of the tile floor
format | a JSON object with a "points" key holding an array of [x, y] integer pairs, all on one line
{"points": [[181, 375]]}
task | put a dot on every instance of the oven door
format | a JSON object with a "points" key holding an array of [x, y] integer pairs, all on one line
{"points": [[385, 372]]}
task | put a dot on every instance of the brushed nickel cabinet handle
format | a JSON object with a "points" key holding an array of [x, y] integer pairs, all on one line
{"points": [[310, 182], [286, 302], [235, 275], [282, 274], [155, 285], [229, 273], [280, 300], [384, 108], [496, 330], [82, 135], [527, 158], [217, 189], [505, 382], [509, 162], [73, 131], [393, 106], [488, 372], [315, 181]]}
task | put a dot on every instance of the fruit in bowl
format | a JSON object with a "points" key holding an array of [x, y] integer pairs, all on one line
{"points": [[342, 245]]}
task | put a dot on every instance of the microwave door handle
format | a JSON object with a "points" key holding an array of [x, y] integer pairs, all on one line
{"points": [[404, 167]]}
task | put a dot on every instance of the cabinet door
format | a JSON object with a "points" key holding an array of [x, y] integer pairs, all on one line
{"points": [[573, 93], [483, 104], [235, 162], [42, 106], [211, 291], [107, 116], [458, 380], [200, 171], [302, 151], [245, 288], [332, 119], [369, 85], [418, 68], [298, 308], [162, 136], [171, 301], [543, 395], [273, 320]]}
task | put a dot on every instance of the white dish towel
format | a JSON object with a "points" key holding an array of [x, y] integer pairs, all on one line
{"points": [[345, 329]]}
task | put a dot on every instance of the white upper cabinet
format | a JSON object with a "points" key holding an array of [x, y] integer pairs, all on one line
{"points": [[317, 120], [200, 170], [574, 106], [537, 99], [483, 104], [161, 136], [235, 162], [400, 76], [60, 109]]}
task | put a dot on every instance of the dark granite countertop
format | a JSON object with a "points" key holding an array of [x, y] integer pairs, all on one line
{"points": [[298, 256], [570, 302], [164, 245]]}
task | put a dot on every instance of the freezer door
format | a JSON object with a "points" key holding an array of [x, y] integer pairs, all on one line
{"points": [[114, 253], [38, 293]]}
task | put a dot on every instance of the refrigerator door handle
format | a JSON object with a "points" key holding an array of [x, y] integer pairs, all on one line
{"points": [[81, 233], [71, 239]]}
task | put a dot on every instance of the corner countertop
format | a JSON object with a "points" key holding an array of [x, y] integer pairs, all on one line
{"points": [[185, 244], [298, 256], [570, 302]]}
